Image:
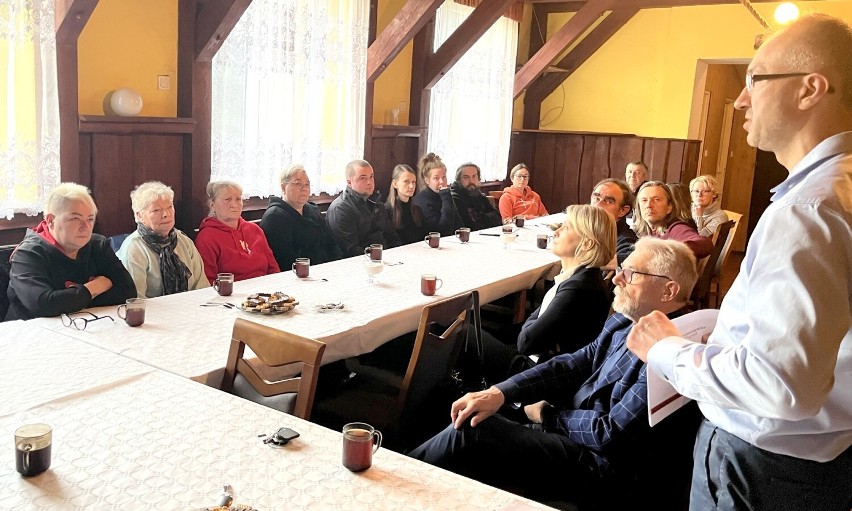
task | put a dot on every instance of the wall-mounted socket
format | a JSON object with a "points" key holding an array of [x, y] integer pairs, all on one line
{"points": [[164, 82]]}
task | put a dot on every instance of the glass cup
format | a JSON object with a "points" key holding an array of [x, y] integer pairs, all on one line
{"points": [[134, 311], [541, 240], [224, 284], [519, 221], [508, 238], [463, 234], [374, 252], [358, 445], [429, 284], [508, 229], [433, 239], [373, 268], [302, 267], [33, 443]]}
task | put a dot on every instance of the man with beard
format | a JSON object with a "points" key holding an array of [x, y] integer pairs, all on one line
{"points": [[357, 216], [585, 423], [472, 205]]}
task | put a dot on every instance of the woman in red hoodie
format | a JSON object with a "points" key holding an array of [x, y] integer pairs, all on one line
{"points": [[226, 242], [519, 199]]}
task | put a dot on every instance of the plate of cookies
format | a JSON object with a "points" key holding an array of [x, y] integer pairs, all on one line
{"points": [[269, 303]]}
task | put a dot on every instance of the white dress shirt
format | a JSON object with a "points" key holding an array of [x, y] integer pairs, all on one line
{"points": [[777, 370]]}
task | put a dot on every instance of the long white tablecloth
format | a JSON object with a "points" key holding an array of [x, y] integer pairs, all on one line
{"points": [[160, 441], [182, 337]]}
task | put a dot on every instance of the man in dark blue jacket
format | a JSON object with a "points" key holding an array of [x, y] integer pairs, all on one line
{"points": [[585, 412]]}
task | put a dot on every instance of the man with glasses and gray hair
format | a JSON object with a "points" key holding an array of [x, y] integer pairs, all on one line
{"points": [[61, 267], [584, 429], [774, 379]]}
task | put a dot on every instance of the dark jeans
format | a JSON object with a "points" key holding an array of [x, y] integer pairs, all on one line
{"points": [[731, 474], [514, 457]]}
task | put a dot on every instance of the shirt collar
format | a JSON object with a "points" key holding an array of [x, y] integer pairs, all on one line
{"points": [[828, 148]]}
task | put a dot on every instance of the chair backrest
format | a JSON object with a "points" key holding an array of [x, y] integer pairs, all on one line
{"points": [[275, 348], [441, 336], [701, 292], [5, 268], [726, 250], [116, 241]]}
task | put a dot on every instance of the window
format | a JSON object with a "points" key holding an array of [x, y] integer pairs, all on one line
{"points": [[289, 86], [470, 117], [29, 126]]}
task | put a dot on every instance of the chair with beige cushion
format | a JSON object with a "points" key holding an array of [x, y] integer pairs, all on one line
{"points": [[715, 290], [297, 358]]}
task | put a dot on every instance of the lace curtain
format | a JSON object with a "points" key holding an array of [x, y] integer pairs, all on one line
{"points": [[470, 117], [289, 86], [29, 124]]}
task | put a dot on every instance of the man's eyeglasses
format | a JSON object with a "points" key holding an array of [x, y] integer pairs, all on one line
{"points": [[597, 197], [81, 323], [751, 79], [301, 185], [628, 274]]}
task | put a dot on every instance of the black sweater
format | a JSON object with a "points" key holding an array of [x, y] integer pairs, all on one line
{"points": [[291, 235]]}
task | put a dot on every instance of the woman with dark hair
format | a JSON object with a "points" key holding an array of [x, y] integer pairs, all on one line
{"points": [[405, 217], [435, 199], [161, 259], [519, 199]]}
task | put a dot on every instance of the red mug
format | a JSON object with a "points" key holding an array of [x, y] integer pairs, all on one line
{"points": [[433, 239], [302, 267], [374, 252], [463, 234], [429, 284]]}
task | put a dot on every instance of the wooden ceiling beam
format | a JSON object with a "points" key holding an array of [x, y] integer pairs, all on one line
{"points": [[402, 28], [548, 83], [576, 5], [70, 18], [566, 35], [215, 20], [463, 38]]}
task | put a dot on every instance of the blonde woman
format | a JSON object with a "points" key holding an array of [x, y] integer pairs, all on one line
{"points": [[519, 199], [706, 206], [579, 302], [226, 242], [435, 199]]}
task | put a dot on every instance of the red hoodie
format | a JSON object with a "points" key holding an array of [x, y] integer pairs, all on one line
{"points": [[515, 202], [242, 251]]}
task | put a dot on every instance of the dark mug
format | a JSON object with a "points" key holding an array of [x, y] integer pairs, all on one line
{"points": [[463, 234], [541, 240], [358, 447], [519, 221], [224, 284], [433, 239], [134, 311], [33, 443], [374, 252], [302, 267], [429, 284]]}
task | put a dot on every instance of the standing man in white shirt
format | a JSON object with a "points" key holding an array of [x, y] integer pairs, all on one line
{"points": [[774, 381]]}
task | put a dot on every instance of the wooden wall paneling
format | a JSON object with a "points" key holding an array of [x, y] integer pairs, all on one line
{"points": [[655, 155], [112, 172], [623, 150], [691, 160], [674, 173], [599, 169], [542, 168], [196, 172], [85, 154], [569, 157], [522, 148], [588, 161]]}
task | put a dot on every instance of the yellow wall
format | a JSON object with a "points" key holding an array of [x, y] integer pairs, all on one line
{"points": [[394, 84], [127, 43], [641, 81]]}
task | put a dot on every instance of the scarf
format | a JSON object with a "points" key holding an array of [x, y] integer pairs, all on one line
{"points": [[173, 271]]}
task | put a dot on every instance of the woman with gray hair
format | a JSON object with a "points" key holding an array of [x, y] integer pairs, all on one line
{"points": [[226, 242], [61, 267], [161, 259], [295, 227]]}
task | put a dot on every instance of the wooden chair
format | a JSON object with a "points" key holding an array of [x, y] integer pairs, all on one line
{"points": [[5, 269], [410, 409], [274, 349], [715, 290], [700, 297]]}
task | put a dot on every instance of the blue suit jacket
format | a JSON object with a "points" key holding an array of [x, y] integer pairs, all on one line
{"points": [[600, 391]]}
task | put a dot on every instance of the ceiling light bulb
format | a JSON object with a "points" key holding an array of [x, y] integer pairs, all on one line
{"points": [[786, 12]]}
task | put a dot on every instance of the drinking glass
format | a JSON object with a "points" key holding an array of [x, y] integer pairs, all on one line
{"points": [[508, 238], [373, 268]]}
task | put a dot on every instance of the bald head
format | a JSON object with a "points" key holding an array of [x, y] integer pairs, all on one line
{"points": [[818, 43]]}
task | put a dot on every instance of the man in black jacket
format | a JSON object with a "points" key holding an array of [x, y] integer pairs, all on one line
{"points": [[357, 216], [473, 206]]}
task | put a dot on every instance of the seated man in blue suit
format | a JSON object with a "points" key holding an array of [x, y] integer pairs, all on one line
{"points": [[584, 417]]}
